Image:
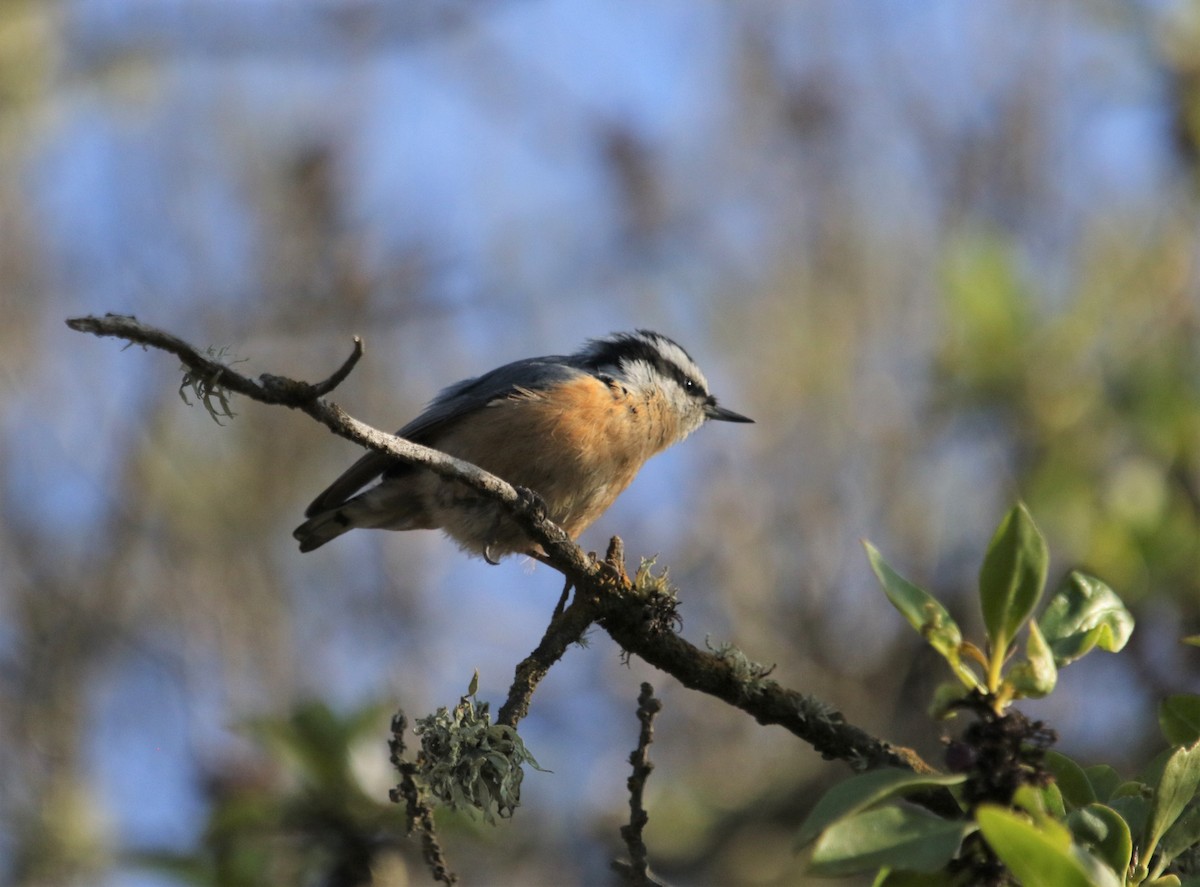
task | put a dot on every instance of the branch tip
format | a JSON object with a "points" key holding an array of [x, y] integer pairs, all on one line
{"points": [[322, 388]]}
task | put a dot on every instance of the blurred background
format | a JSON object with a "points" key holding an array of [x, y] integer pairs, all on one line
{"points": [[944, 253]]}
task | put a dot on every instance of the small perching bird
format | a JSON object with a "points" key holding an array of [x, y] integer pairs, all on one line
{"points": [[574, 429]]}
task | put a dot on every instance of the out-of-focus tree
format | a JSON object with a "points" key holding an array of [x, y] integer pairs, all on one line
{"points": [[944, 254]]}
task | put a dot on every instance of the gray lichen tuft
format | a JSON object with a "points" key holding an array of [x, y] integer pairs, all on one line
{"points": [[468, 762], [207, 387]]}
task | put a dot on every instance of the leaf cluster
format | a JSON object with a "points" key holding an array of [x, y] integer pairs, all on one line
{"points": [[1082, 614], [1027, 814]]}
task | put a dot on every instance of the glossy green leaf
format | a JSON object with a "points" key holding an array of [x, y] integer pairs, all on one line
{"points": [[1179, 718], [1084, 613], [924, 613], [1105, 832], [1053, 800], [1033, 801], [898, 837], [1071, 779], [1039, 856], [1134, 809], [1152, 772], [1036, 675], [866, 790], [1185, 833], [1044, 805], [1012, 577], [1174, 791]]}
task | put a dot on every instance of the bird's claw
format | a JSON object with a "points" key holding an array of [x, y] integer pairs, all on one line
{"points": [[532, 503]]}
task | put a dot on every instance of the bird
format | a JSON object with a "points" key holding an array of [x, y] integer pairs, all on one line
{"points": [[574, 429]]}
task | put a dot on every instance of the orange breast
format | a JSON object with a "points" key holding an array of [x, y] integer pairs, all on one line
{"points": [[578, 446]]}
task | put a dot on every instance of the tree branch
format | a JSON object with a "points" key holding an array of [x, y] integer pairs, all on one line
{"points": [[637, 870], [641, 620], [727, 674], [566, 556], [418, 813]]}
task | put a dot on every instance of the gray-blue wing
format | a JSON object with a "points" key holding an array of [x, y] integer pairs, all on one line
{"points": [[450, 406]]}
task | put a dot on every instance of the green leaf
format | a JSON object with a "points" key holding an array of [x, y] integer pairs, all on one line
{"points": [[1105, 832], [1084, 613], [1104, 780], [1012, 577], [1044, 805], [1036, 676], [1152, 772], [1175, 790], [1194, 640], [1052, 799], [866, 790], [1134, 809], [1184, 834], [899, 837], [1179, 718], [924, 613], [946, 699], [1071, 779], [1040, 856], [1033, 801]]}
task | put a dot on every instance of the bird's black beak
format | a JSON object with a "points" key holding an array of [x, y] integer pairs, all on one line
{"points": [[721, 414]]}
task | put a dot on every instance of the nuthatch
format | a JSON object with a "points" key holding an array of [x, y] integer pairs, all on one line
{"points": [[573, 429]]}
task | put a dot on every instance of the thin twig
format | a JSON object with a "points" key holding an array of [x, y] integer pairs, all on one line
{"points": [[417, 810], [637, 871], [567, 626], [564, 630], [339, 376]]}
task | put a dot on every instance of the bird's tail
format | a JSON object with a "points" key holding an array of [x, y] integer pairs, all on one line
{"points": [[322, 527], [388, 506]]}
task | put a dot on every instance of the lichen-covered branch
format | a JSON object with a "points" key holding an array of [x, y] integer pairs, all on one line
{"points": [[727, 674], [417, 809]]}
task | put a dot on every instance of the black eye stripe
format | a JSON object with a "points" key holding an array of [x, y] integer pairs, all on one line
{"points": [[629, 348]]}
